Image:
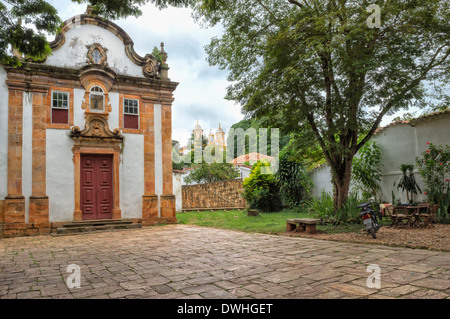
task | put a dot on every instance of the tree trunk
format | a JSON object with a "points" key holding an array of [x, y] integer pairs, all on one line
{"points": [[341, 189], [341, 182]]}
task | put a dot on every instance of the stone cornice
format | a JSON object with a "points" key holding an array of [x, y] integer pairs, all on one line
{"points": [[30, 75], [21, 82]]}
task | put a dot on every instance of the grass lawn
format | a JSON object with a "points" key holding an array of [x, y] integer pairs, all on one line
{"points": [[263, 223]]}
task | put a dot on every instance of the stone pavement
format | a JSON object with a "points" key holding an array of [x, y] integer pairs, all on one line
{"points": [[179, 261]]}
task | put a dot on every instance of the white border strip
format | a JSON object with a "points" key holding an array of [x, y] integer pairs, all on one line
{"points": [[158, 155]]}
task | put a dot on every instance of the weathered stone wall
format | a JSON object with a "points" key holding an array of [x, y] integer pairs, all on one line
{"points": [[216, 195]]}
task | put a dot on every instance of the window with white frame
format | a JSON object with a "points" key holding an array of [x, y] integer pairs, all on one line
{"points": [[131, 113], [96, 99], [60, 107]]}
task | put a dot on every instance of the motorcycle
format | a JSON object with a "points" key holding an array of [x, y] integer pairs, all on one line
{"points": [[369, 218]]}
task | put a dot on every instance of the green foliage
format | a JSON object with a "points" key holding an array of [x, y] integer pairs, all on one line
{"points": [[366, 171], [323, 208], [157, 54], [177, 159], [207, 173], [434, 167], [261, 189], [293, 180], [304, 146], [15, 35], [114, 9], [265, 222], [407, 182]]}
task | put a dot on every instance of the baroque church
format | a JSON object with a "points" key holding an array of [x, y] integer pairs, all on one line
{"points": [[86, 134], [216, 140]]}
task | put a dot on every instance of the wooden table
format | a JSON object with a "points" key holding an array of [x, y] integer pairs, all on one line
{"points": [[417, 216]]}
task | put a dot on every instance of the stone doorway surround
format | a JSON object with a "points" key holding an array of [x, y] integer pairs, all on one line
{"points": [[96, 138]]}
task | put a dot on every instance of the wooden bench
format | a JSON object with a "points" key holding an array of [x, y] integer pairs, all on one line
{"points": [[307, 225]]}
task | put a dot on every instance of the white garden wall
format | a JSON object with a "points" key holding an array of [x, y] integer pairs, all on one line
{"points": [[400, 143]]}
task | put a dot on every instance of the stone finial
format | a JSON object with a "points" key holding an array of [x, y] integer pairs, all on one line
{"points": [[163, 54], [164, 66], [90, 10]]}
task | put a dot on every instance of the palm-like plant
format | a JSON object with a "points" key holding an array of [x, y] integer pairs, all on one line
{"points": [[407, 182]]}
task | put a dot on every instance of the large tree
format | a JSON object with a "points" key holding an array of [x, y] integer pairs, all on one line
{"points": [[25, 23], [326, 70]]}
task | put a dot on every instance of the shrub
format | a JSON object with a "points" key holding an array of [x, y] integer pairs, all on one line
{"points": [[434, 167], [366, 170], [261, 189], [323, 208], [293, 180]]}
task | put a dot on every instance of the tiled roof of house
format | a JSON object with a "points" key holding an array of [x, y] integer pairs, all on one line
{"points": [[183, 171], [419, 119], [382, 128], [434, 115], [252, 157]]}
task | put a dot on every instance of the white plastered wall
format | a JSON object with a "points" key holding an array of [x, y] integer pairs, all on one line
{"points": [[3, 135], [60, 175], [321, 178], [158, 154], [132, 176], [27, 151], [177, 191], [73, 54]]}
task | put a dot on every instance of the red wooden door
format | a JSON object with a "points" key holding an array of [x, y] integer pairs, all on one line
{"points": [[96, 186]]}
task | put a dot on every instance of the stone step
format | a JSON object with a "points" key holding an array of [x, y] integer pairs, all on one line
{"points": [[82, 227], [97, 222]]}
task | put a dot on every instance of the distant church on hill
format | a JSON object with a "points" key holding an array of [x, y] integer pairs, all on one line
{"points": [[217, 139]]}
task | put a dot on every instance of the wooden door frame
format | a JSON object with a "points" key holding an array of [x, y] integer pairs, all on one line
{"points": [[78, 150]]}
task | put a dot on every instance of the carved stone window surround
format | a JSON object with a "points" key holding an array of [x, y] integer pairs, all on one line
{"points": [[96, 54], [85, 105]]}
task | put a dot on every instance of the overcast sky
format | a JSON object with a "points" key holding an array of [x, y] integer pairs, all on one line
{"points": [[201, 90]]}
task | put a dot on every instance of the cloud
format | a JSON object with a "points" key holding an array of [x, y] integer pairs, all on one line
{"points": [[201, 90]]}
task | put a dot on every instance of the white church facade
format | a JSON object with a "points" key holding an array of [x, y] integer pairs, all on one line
{"points": [[86, 134]]}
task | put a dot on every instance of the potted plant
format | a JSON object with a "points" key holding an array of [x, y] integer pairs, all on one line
{"points": [[407, 182]]}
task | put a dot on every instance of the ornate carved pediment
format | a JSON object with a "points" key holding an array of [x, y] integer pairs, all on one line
{"points": [[150, 66], [96, 126]]}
